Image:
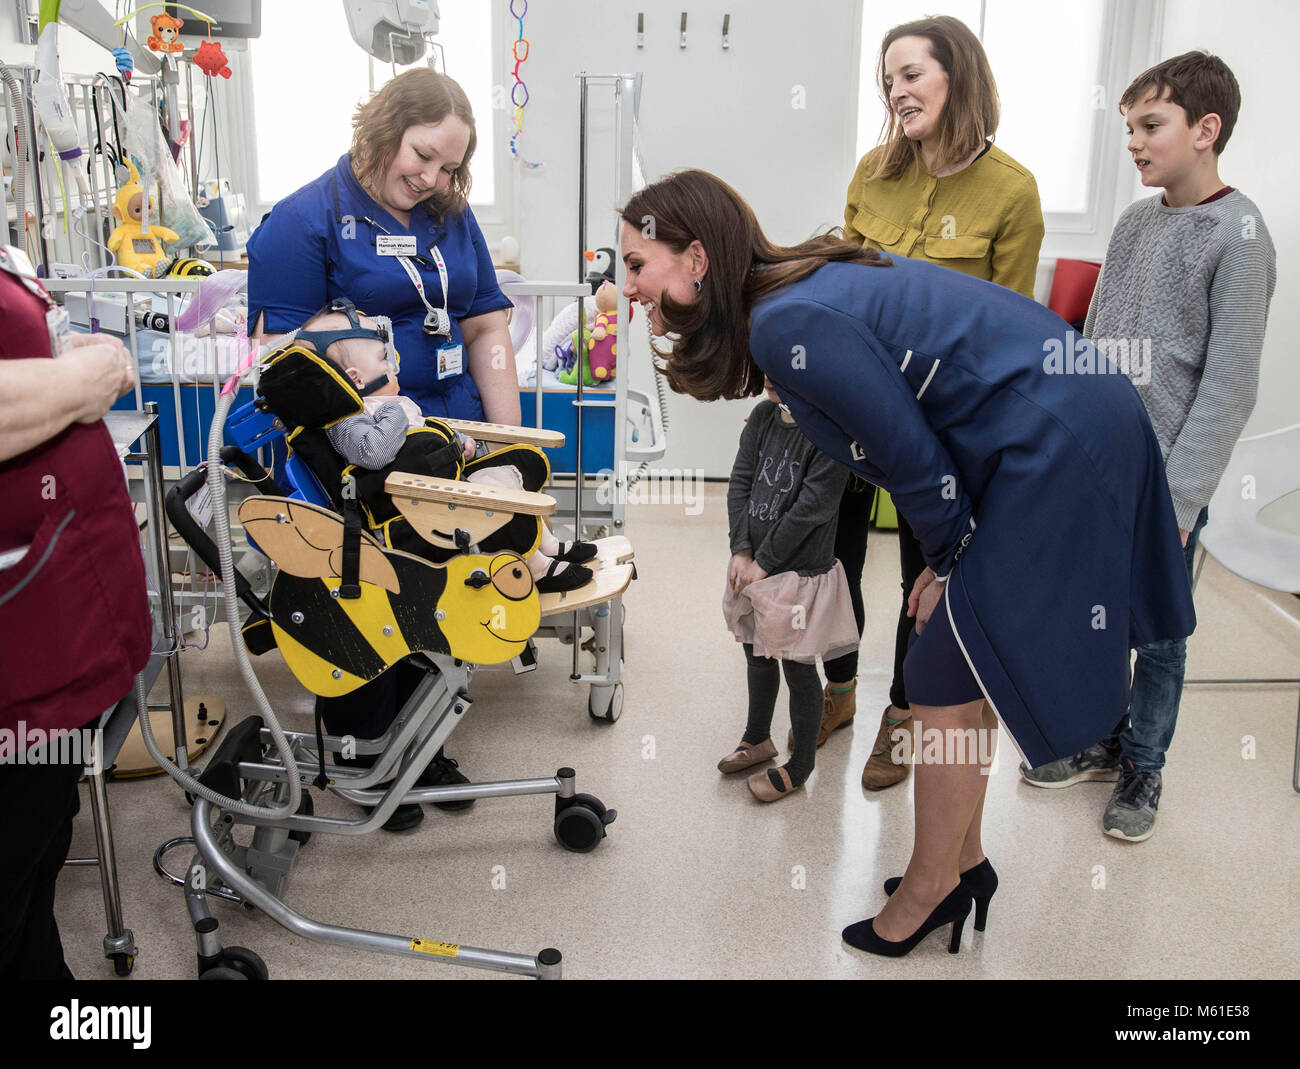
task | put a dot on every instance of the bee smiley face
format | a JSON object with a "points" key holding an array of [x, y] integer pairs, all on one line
{"points": [[491, 607]]}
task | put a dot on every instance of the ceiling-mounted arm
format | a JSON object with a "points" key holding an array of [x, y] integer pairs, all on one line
{"points": [[392, 31], [91, 18]]}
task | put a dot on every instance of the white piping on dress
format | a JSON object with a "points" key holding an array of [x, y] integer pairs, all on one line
{"points": [[906, 360], [933, 368], [980, 683]]}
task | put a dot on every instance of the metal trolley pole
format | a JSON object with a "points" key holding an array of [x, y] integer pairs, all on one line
{"points": [[626, 87]]}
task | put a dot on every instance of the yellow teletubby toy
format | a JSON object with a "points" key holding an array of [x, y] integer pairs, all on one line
{"points": [[136, 244]]}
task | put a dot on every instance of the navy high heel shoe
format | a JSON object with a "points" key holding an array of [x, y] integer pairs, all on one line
{"points": [[982, 881], [952, 910]]}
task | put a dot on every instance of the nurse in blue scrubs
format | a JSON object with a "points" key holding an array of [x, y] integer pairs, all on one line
{"points": [[1025, 463], [389, 228]]}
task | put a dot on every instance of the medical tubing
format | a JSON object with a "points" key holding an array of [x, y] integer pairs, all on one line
{"points": [[221, 513], [644, 466], [22, 142]]}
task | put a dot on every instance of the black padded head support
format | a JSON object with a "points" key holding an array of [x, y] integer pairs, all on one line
{"points": [[306, 389]]}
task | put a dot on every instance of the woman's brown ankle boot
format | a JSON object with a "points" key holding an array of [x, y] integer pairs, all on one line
{"points": [[881, 771], [838, 709]]}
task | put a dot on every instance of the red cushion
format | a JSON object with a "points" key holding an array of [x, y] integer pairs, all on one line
{"points": [[1072, 286]]}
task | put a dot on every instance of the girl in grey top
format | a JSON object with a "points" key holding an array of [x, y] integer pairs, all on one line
{"points": [[787, 598]]}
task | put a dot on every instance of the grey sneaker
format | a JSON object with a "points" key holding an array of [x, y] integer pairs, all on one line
{"points": [[1096, 762], [1131, 812]]}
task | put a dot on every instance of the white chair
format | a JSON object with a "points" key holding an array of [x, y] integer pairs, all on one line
{"points": [[1264, 468]]}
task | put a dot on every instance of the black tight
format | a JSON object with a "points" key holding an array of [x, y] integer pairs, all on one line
{"points": [[851, 548], [805, 707], [911, 565]]}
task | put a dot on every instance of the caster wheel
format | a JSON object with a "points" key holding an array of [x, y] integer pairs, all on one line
{"points": [[578, 828], [222, 972], [123, 964], [243, 961], [607, 707], [593, 803], [306, 808]]}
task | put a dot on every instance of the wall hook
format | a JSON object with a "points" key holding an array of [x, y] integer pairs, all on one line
{"points": [[640, 29], [683, 40], [726, 31]]}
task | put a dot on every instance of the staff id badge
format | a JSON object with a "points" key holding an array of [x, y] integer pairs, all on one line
{"points": [[395, 244], [58, 324], [450, 361]]}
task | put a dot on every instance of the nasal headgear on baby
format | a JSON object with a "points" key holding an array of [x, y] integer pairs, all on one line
{"points": [[382, 331]]}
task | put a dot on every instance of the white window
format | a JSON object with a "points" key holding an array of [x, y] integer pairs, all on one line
{"points": [[1060, 70], [308, 76]]}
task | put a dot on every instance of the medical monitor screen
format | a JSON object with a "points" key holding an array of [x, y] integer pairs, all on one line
{"points": [[236, 19]]}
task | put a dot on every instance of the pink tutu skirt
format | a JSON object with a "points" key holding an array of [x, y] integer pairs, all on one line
{"points": [[794, 617]]}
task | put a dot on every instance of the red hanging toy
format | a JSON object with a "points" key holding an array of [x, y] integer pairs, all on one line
{"points": [[209, 58]]}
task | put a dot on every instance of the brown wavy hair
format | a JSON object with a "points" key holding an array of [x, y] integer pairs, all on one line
{"points": [[1197, 82], [413, 98], [711, 358], [970, 114]]}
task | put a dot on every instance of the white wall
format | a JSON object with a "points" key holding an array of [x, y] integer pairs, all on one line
{"points": [[731, 112], [1261, 160]]}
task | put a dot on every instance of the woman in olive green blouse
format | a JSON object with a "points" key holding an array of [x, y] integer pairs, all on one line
{"points": [[937, 189]]}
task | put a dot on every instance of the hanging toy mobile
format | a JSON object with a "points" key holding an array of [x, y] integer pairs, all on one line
{"points": [[519, 91], [166, 29], [166, 36], [211, 60], [125, 64]]}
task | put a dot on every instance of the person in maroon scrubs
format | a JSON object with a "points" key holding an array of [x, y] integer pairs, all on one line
{"points": [[75, 624]]}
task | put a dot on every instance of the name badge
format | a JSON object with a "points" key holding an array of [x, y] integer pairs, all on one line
{"points": [[200, 506], [450, 360], [58, 325], [15, 261], [395, 244]]}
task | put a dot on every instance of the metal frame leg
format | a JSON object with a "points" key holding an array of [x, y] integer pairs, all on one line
{"points": [[213, 862], [172, 633], [1200, 564], [1295, 766], [119, 940]]}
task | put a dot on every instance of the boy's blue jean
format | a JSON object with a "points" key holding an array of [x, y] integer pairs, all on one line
{"points": [[1145, 734]]}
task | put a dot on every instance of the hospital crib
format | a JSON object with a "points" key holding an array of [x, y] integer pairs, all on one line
{"points": [[406, 608], [608, 436]]}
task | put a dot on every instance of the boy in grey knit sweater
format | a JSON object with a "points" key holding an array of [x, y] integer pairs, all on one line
{"points": [[1184, 294]]}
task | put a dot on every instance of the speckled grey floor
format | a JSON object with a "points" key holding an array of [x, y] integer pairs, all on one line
{"points": [[699, 880]]}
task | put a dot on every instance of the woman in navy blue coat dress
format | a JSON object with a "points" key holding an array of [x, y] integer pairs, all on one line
{"points": [[1029, 472]]}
